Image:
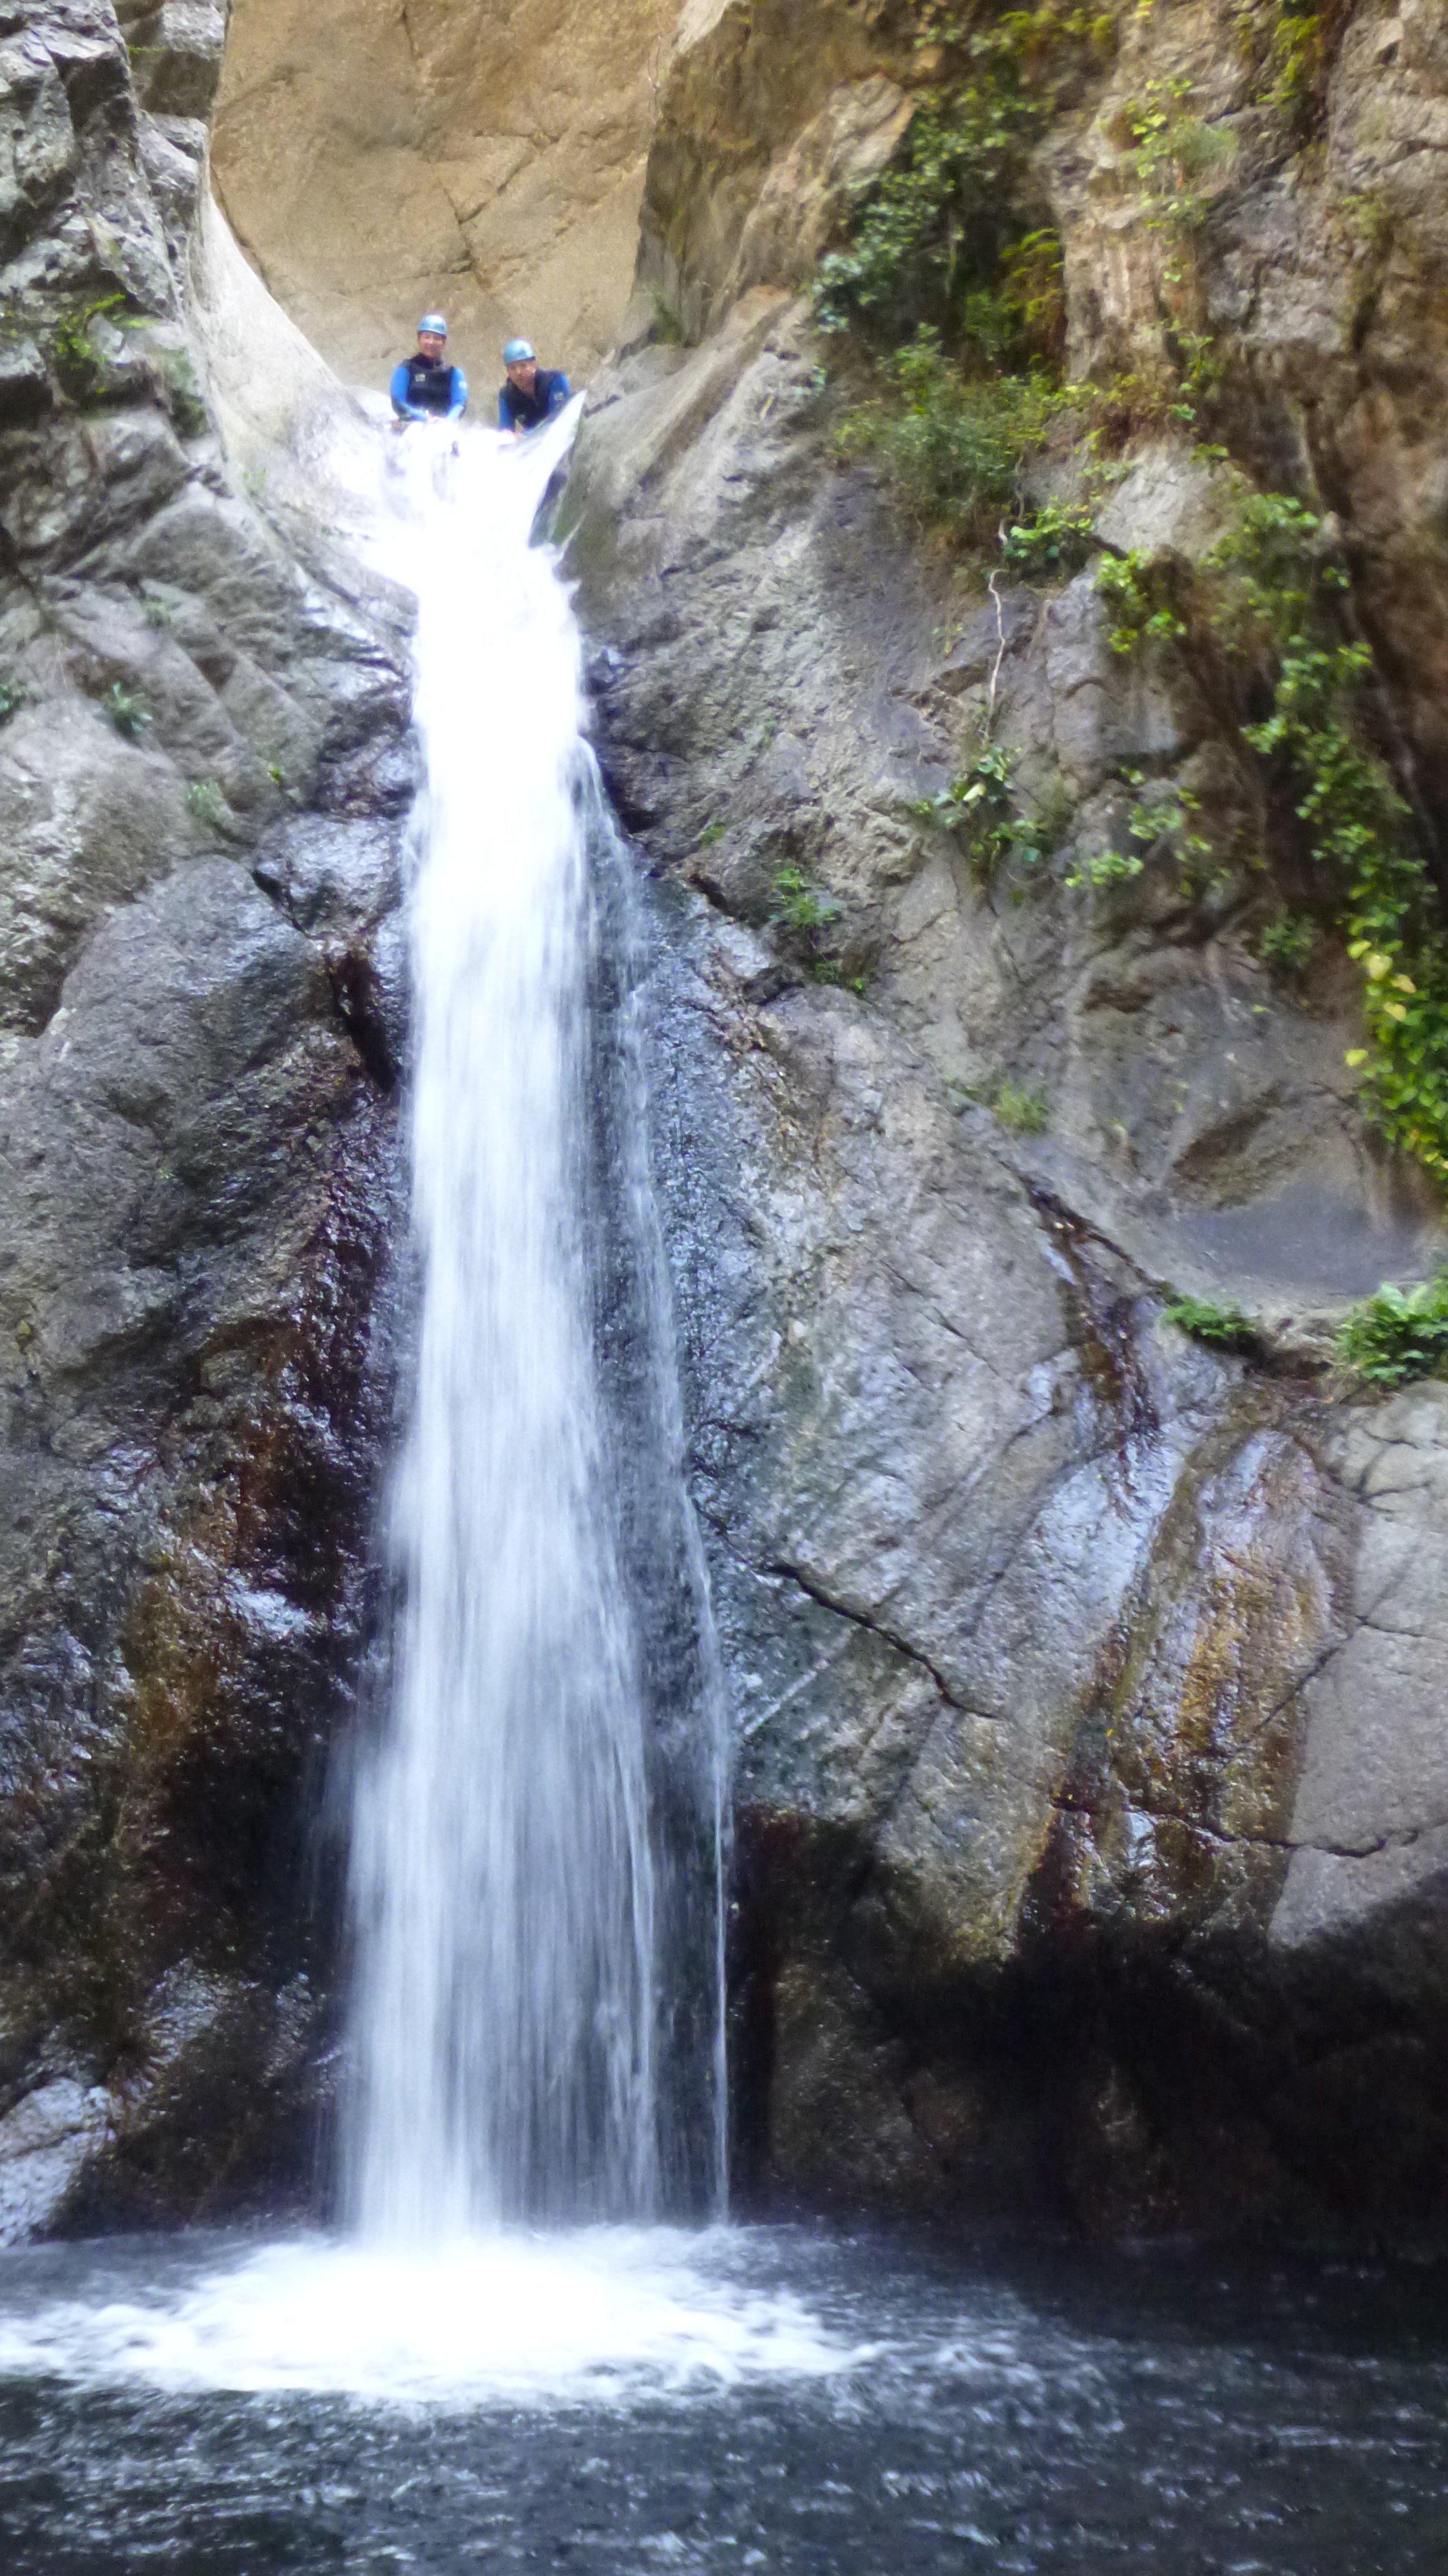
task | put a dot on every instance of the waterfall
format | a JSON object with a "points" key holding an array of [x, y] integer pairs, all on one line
{"points": [[519, 1891]]}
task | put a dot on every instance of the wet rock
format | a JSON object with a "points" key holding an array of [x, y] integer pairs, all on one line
{"points": [[45, 2144], [201, 776]]}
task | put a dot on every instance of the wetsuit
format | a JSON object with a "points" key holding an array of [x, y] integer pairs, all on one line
{"points": [[517, 410], [422, 391]]}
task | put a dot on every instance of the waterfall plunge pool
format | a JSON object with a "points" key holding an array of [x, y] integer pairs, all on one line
{"points": [[617, 2401]]}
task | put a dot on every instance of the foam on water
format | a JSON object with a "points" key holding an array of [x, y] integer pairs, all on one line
{"points": [[604, 2316]]}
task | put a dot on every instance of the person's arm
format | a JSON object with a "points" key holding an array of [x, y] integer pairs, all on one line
{"points": [[505, 410], [560, 394], [459, 402], [401, 388]]}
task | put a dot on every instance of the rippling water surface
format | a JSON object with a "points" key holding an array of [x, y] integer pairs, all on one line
{"points": [[618, 2402]]}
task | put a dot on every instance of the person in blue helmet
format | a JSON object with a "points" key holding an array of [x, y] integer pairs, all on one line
{"points": [[426, 387], [532, 393]]}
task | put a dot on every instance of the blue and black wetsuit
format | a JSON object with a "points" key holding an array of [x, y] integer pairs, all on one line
{"points": [[517, 410], [422, 391]]}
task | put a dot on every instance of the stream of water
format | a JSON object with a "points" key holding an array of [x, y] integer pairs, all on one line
{"points": [[533, 2344], [504, 1872]]}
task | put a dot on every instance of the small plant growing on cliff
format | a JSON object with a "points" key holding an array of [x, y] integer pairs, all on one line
{"points": [[1161, 825], [12, 697], [1096, 868], [207, 805], [798, 905], [1055, 540], [1141, 596], [1285, 944], [1223, 1328], [127, 710], [978, 810], [1399, 1334], [1171, 152], [954, 444], [1021, 1108], [984, 815]]}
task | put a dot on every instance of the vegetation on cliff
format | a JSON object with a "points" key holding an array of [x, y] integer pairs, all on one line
{"points": [[949, 286]]}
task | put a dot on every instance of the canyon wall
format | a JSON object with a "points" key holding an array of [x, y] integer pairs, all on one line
{"points": [[1091, 1759], [378, 157], [204, 764], [1092, 1741]]}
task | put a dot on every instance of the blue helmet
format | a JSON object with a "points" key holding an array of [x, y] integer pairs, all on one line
{"points": [[433, 323], [519, 353]]}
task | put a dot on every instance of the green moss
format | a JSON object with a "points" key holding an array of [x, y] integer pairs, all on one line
{"points": [[1399, 1334], [188, 405], [1224, 1328], [79, 368]]}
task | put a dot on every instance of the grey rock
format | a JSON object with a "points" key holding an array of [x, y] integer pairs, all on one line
{"points": [[44, 2145], [1086, 1684], [201, 1026]]}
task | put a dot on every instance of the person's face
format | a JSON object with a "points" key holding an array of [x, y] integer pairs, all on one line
{"points": [[430, 345], [524, 374]]}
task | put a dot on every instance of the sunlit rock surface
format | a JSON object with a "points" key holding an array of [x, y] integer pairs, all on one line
{"points": [[377, 157]]}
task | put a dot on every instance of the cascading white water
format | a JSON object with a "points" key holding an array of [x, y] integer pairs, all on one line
{"points": [[504, 1883], [537, 2024]]}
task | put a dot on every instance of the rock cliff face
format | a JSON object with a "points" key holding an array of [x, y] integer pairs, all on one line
{"points": [[380, 156], [203, 757], [1093, 1745]]}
